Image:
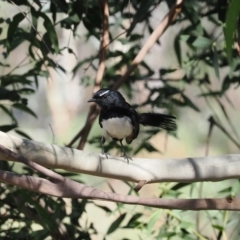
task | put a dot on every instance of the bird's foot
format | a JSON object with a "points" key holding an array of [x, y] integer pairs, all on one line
{"points": [[125, 156], [104, 153]]}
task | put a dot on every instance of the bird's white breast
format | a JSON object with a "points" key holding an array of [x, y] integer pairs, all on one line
{"points": [[117, 127]]}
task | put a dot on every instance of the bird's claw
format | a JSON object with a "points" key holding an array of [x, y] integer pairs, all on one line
{"points": [[106, 154], [125, 156]]}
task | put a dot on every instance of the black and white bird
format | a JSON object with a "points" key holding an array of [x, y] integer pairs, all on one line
{"points": [[119, 119]]}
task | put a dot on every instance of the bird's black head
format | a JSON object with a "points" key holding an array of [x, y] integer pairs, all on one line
{"points": [[107, 98]]}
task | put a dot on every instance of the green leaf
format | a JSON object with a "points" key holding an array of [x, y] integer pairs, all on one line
{"points": [[12, 27], [24, 108], [141, 12], [226, 190], [133, 222], [50, 30], [11, 95], [211, 94], [7, 128], [197, 42], [79, 64], [104, 208], [47, 221], [115, 225], [220, 228], [178, 51], [189, 103], [4, 65], [26, 91], [179, 185], [8, 112], [215, 62], [153, 219], [145, 145], [11, 79], [164, 71], [23, 134], [201, 42], [231, 24], [67, 22]]}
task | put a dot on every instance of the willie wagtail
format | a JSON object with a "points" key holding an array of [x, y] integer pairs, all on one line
{"points": [[119, 119]]}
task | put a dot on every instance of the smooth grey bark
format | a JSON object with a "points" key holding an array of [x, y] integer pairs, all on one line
{"points": [[150, 170]]}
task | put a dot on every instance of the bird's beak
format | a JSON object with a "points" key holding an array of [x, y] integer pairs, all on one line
{"points": [[92, 100]]}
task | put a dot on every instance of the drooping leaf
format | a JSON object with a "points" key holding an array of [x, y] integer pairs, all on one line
{"points": [[24, 108], [7, 128], [106, 209], [6, 94], [215, 62], [26, 91], [153, 219], [23, 134], [147, 146], [141, 12], [133, 221], [202, 42], [115, 225], [8, 112], [12, 28], [231, 24], [179, 185], [50, 31]]}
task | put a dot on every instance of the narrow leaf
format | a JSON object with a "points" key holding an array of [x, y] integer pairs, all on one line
{"points": [[13, 26], [8, 112], [231, 24], [7, 128], [24, 108], [133, 222], [201, 42], [23, 134], [215, 62], [115, 225]]}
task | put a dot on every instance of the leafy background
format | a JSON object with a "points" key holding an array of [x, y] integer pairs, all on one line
{"points": [[49, 59]]}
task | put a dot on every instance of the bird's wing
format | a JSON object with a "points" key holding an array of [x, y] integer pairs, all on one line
{"points": [[135, 122]]}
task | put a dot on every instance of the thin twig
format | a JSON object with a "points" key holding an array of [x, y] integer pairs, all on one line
{"points": [[156, 34], [140, 185], [18, 65], [100, 73], [90, 63]]}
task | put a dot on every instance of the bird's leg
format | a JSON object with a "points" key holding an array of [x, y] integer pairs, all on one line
{"points": [[102, 144], [124, 153]]}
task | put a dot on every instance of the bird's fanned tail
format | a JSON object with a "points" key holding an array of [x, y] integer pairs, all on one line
{"points": [[164, 121]]}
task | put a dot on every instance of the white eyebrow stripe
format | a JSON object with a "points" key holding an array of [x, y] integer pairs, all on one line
{"points": [[104, 93]]}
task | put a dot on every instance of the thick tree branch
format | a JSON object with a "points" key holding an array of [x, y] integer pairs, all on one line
{"points": [[148, 170], [70, 189]]}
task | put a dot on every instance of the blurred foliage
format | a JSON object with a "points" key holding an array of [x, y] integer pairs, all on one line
{"points": [[206, 47]]}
